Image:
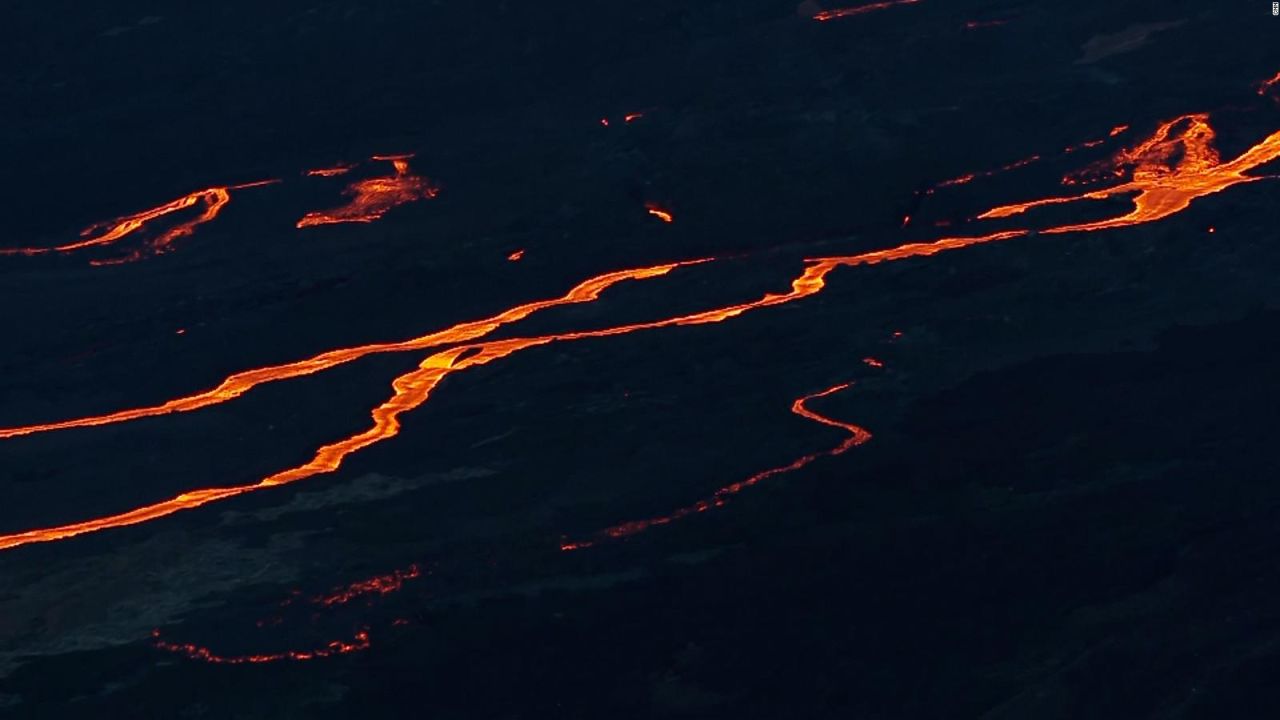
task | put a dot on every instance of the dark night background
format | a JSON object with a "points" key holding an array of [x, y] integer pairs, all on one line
{"points": [[1070, 506]]}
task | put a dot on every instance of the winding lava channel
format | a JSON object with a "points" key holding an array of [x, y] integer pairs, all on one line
{"points": [[1170, 170]]}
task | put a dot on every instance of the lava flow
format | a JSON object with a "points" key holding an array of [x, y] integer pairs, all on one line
{"points": [[838, 13], [857, 436], [113, 231], [1160, 193], [372, 198]]}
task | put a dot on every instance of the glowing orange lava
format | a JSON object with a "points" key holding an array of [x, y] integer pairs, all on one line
{"points": [[516, 256], [663, 215], [721, 497], [1177, 165], [1084, 145], [970, 177], [1266, 85], [339, 169], [873, 362], [213, 199], [1160, 191], [838, 13], [378, 585], [372, 198], [238, 384], [626, 119]]}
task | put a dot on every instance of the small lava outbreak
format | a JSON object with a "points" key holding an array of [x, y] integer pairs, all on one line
{"points": [[372, 198], [358, 642], [837, 13]]}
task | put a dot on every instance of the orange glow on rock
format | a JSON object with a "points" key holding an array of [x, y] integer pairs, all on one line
{"points": [[372, 198], [1266, 85], [873, 362], [721, 497], [632, 117], [112, 231], [516, 256], [238, 384], [838, 13]]}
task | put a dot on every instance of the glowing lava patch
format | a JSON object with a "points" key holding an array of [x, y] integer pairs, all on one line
{"points": [[372, 198]]}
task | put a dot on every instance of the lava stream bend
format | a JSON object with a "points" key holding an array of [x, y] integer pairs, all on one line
{"points": [[113, 231], [721, 497]]}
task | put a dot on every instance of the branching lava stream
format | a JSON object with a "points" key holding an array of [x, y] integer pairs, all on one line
{"points": [[358, 642]]}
